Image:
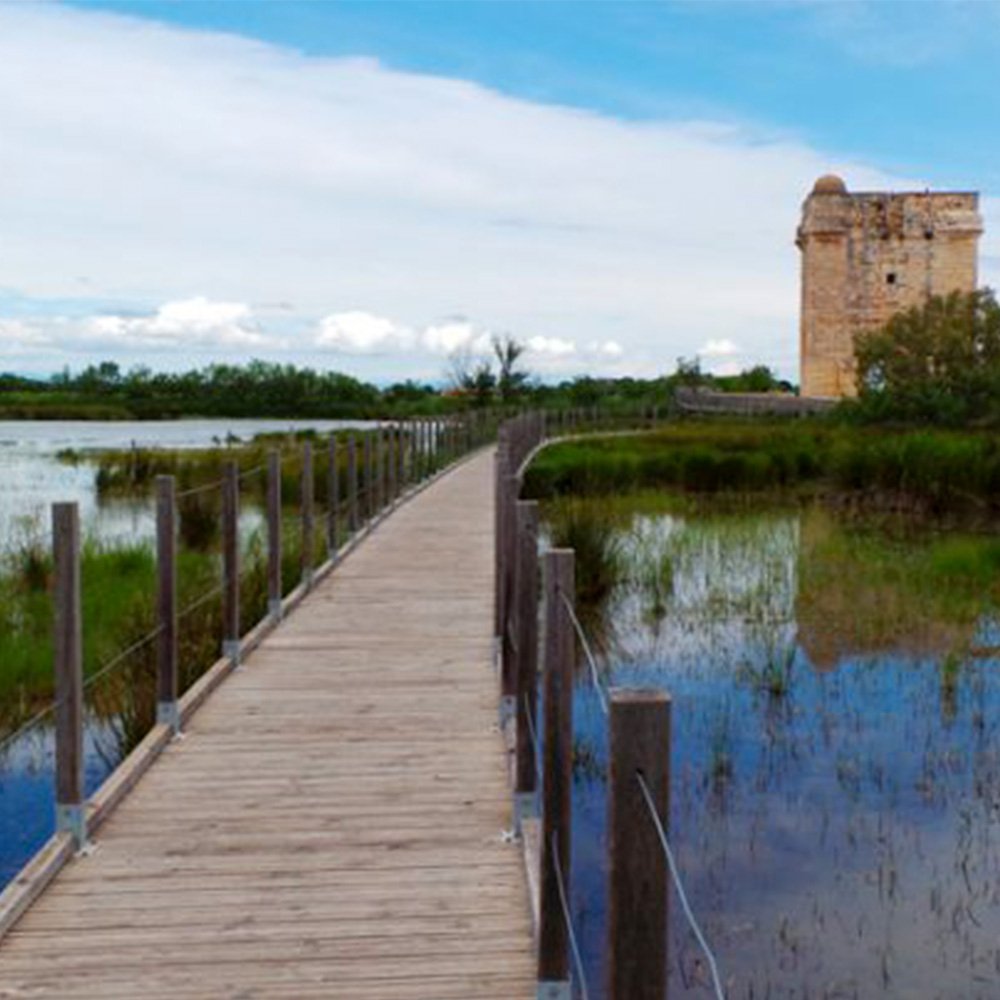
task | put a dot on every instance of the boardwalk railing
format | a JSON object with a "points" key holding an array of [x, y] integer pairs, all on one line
{"points": [[638, 799], [366, 474]]}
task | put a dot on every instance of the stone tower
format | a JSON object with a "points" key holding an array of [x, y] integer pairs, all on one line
{"points": [[867, 256]]}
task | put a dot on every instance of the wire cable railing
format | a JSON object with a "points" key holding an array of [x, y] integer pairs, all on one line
{"points": [[11, 738], [679, 885], [574, 945], [533, 736], [201, 488], [256, 470], [200, 601], [120, 658], [588, 652]]}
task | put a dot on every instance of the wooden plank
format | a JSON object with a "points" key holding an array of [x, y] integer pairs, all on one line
{"points": [[34, 879]]}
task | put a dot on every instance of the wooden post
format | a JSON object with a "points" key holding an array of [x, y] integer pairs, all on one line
{"points": [[400, 460], [553, 940], [274, 534], [637, 895], [231, 561], [414, 452], [166, 603], [333, 498], [377, 478], [308, 518], [353, 522], [402, 443], [391, 466], [499, 478], [369, 476], [525, 787], [508, 666], [68, 663]]}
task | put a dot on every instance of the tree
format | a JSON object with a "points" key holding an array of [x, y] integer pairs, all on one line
{"points": [[472, 376], [938, 363], [510, 381]]}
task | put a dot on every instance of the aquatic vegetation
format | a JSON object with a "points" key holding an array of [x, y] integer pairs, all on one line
{"points": [[772, 674], [835, 730], [588, 529], [935, 471], [118, 608]]}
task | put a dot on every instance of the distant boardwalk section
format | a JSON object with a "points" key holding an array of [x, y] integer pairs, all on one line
{"points": [[748, 404]]}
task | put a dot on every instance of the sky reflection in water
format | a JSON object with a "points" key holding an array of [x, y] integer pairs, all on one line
{"points": [[839, 839]]}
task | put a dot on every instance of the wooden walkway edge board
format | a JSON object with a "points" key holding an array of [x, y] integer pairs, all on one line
{"points": [[333, 822]]}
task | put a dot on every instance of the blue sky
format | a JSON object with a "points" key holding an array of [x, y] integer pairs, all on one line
{"points": [[373, 186], [912, 84]]}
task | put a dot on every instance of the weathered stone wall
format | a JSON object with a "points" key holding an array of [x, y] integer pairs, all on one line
{"points": [[867, 256]]}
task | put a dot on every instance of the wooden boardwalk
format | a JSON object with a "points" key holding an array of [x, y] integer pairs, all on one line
{"points": [[332, 823]]}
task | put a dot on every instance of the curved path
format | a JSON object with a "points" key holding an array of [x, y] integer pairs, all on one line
{"points": [[332, 822]]}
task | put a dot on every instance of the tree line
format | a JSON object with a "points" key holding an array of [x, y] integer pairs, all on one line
{"points": [[267, 389]]}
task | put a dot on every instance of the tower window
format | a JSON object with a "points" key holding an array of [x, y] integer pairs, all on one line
{"points": [[890, 278]]}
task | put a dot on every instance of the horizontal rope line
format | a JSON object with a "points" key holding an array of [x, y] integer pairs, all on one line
{"points": [[533, 736], [252, 472], [194, 490], [11, 738], [594, 673], [199, 601], [120, 657], [564, 903]]}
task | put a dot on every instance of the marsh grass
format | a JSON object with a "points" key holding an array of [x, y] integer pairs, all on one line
{"points": [[932, 471], [130, 472], [118, 607], [591, 530]]}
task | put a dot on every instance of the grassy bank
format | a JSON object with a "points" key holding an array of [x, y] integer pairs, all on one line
{"points": [[937, 471]]}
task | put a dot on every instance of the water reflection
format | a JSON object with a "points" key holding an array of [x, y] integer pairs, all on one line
{"points": [[836, 790], [27, 788]]}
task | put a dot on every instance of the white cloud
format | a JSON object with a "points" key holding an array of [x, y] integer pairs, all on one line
{"points": [[362, 333], [146, 164], [718, 348], [196, 321], [455, 336], [194, 325], [554, 346], [19, 338]]}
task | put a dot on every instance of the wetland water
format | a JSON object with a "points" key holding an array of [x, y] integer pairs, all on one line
{"points": [[31, 478], [836, 763]]}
